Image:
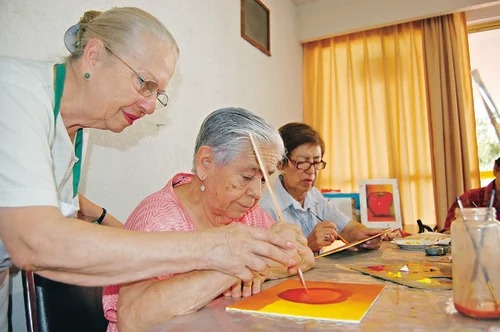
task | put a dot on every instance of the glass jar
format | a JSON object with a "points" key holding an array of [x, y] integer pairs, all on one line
{"points": [[475, 240]]}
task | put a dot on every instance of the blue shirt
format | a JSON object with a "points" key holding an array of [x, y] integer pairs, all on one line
{"points": [[294, 213]]}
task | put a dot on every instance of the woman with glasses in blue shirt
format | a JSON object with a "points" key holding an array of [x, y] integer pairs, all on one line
{"points": [[303, 204]]}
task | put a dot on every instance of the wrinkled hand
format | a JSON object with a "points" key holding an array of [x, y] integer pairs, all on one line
{"points": [[323, 234], [363, 233], [240, 250], [389, 236], [290, 232], [301, 253], [245, 288]]}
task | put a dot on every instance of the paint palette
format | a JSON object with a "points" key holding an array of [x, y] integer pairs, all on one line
{"points": [[422, 241], [423, 275]]}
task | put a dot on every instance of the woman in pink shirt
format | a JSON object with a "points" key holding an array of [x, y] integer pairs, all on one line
{"points": [[224, 188]]}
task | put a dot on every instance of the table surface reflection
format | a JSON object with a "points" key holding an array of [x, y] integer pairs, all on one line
{"points": [[399, 308]]}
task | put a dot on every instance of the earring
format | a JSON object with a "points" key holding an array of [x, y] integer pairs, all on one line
{"points": [[203, 188], [86, 76]]}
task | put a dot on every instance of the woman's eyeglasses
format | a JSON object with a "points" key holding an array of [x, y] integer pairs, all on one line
{"points": [[305, 165], [147, 87]]}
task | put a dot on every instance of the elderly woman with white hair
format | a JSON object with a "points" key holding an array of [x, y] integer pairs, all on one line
{"points": [[224, 188]]}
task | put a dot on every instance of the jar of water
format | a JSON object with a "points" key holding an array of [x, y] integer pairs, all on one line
{"points": [[475, 240]]}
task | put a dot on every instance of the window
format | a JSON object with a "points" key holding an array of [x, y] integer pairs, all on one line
{"points": [[484, 47]]}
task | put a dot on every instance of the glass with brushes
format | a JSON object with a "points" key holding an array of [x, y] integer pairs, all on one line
{"points": [[475, 236]]}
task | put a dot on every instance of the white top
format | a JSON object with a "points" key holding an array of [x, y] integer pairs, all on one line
{"points": [[294, 213], [36, 158]]}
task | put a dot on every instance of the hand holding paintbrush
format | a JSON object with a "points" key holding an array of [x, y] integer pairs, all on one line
{"points": [[338, 234], [273, 197]]}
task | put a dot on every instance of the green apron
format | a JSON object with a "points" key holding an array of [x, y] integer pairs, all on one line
{"points": [[58, 90]]}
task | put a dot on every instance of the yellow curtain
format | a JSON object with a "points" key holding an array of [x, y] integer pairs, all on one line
{"points": [[451, 110], [381, 98], [365, 93]]}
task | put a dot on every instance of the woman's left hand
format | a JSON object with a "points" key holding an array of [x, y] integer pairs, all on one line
{"points": [[245, 288], [364, 232]]}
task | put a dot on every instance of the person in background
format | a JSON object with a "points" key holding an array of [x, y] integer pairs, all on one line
{"points": [[120, 64], [301, 203], [223, 189], [479, 197]]}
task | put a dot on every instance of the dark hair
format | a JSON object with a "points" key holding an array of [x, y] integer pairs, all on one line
{"points": [[295, 134], [497, 162]]}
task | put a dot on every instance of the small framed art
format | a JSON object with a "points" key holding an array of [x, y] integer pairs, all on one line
{"points": [[255, 24], [380, 205]]}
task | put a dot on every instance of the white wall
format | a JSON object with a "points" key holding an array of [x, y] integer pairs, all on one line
{"points": [[326, 18], [216, 68]]}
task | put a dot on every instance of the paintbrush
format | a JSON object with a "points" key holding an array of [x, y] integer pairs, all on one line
{"points": [[492, 198], [485, 272], [275, 202], [319, 218]]}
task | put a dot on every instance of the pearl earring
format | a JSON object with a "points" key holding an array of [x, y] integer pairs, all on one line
{"points": [[203, 188], [86, 76]]}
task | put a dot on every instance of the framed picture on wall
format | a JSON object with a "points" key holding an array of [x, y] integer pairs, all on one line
{"points": [[380, 205], [255, 25]]}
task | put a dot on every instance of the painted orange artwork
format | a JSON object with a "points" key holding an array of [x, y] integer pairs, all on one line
{"points": [[380, 202], [332, 301]]}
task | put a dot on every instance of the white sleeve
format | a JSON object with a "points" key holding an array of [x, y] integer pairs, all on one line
{"points": [[26, 128]]}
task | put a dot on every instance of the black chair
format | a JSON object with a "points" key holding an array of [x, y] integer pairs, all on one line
{"points": [[422, 227], [55, 307]]}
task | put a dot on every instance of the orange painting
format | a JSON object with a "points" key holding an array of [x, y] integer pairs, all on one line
{"points": [[380, 202], [332, 301]]}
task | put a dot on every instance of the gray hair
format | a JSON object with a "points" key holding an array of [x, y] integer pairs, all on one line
{"points": [[227, 130], [116, 27]]}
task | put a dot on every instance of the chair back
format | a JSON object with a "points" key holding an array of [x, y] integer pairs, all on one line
{"points": [[54, 306]]}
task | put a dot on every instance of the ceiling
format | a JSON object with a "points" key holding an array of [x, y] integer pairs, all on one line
{"points": [[476, 15]]}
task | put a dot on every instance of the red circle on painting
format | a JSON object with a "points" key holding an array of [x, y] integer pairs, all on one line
{"points": [[315, 295]]}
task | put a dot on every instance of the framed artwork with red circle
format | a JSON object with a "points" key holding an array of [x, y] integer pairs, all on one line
{"points": [[379, 203]]}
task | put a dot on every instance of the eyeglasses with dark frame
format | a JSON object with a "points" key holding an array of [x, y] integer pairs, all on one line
{"points": [[147, 87], [305, 165]]}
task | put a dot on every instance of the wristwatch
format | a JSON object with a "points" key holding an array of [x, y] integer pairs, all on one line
{"points": [[101, 218]]}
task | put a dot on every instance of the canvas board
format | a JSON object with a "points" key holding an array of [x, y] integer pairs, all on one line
{"points": [[379, 203], [347, 246], [346, 302]]}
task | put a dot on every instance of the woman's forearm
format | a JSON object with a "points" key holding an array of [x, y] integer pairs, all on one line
{"points": [[77, 252], [147, 304], [89, 211]]}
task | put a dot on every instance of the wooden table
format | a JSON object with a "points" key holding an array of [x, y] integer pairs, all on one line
{"points": [[399, 308]]}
